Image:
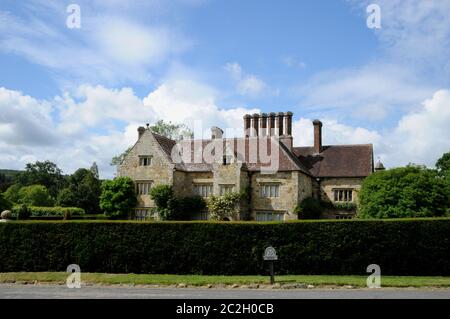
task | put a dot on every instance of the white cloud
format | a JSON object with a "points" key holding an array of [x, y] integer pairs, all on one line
{"points": [[370, 92], [247, 84], [95, 123], [108, 43]]}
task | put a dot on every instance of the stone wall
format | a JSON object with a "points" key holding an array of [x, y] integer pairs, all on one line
{"points": [[327, 186], [159, 172], [293, 187]]}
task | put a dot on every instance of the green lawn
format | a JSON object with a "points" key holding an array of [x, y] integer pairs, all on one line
{"points": [[197, 280]]}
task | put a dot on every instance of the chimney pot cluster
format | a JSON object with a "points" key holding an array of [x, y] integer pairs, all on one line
{"points": [[268, 124]]}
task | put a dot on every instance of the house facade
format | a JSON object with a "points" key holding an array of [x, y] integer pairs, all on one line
{"points": [[275, 175]]}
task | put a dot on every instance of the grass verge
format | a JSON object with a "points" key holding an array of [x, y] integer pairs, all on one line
{"points": [[199, 280]]}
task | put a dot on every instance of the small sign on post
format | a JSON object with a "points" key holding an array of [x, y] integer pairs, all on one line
{"points": [[270, 254]]}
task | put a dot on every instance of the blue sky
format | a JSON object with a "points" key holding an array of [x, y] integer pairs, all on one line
{"points": [[76, 96]]}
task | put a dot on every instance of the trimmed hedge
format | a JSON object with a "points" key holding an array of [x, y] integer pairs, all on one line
{"points": [[400, 247], [38, 211]]}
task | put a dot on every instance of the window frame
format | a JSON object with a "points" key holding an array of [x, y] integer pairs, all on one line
{"points": [[145, 160], [273, 190], [343, 195], [143, 187], [208, 187]]}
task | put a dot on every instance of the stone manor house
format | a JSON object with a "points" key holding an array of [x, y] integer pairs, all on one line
{"points": [[275, 180]]}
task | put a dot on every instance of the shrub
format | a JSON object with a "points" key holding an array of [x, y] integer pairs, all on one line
{"points": [[12, 193], [161, 195], [35, 195], [118, 197], [411, 191], [170, 207], [36, 211], [23, 212], [400, 247], [309, 208], [225, 206]]}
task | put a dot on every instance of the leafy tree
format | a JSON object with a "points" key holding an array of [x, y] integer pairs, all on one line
{"points": [[443, 168], [5, 204], [443, 164], [42, 173], [117, 197], [167, 129], [225, 206], [12, 193], [412, 191], [309, 208], [83, 191], [170, 130], [117, 160], [5, 182], [35, 195], [94, 170]]}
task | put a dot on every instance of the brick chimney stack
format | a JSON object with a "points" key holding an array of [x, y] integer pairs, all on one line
{"points": [[247, 120], [141, 131], [317, 136]]}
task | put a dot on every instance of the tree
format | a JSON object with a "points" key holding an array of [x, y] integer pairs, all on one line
{"points": [[443, 168], [117, 160], [12, 193], [412, 191], [117, 197], [35, 195], [42, 173], [94, 170], [225, 206], [443, 164], [5, 204], [170, 130], [83, 191]]}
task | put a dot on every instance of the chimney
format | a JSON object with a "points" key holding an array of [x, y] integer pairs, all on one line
{"points": [[271, 124], [216, 132], [288, 123], [263, 124], [141, 131], [247, 119], [255, 128], [317, 136], [279, 124]]}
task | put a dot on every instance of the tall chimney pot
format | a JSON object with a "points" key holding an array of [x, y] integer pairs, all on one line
{"points": [[247, 119], [255, 119], [317, 136]]}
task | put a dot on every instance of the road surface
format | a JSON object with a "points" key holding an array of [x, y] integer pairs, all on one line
{"points": [[14, 291]]}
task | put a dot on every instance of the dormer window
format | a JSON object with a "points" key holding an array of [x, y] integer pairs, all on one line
{"points": [[145, 160]]}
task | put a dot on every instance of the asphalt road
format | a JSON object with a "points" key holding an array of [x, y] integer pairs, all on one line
{"points": [[8, 291]]}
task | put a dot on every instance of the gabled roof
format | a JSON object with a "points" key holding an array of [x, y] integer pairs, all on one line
{"points": [[337, 160], [287, 161], [332, 161]]}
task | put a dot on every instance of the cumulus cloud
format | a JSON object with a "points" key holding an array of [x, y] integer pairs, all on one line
{"points": [[99, 52], [247, 84], [370, 92], [94, 123]]}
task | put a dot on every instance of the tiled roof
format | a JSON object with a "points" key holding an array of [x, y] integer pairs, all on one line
{"points": [[242, 151], [337, 160], [332, 161]]}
